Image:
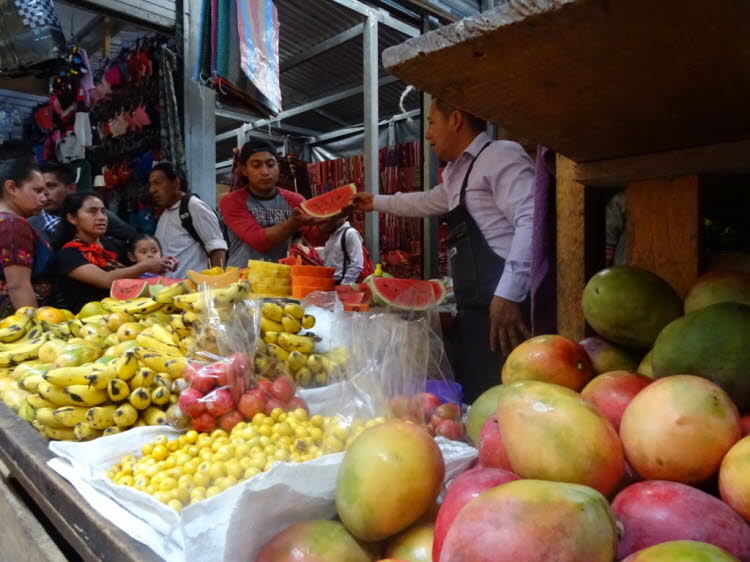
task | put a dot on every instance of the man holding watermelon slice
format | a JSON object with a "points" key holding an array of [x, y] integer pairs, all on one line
{"points": [[263, 218], [487, 194]]}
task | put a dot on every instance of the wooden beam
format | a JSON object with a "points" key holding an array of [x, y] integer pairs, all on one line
{"points": [[725, 158], [571, 250], [663, 228]]}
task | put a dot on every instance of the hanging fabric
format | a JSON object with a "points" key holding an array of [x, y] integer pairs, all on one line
{"points": [[172, 145]]}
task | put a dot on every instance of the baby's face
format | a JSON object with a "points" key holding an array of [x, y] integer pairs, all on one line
{"points": [[146, 249]]}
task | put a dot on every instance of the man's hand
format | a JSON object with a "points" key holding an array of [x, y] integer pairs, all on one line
{"points": [[507, 328], [363, 202], [301, 218]]}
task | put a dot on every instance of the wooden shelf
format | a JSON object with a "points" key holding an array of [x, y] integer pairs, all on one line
{"points": [[25, 454], [594, 79]]}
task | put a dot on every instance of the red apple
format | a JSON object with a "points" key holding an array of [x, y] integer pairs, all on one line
{"points": [[251, 403], [448, 411], [265, 385], [450, 429], [219, 402], [272, 404], [229, 420], [204, 423], [427, 403], [191, 402], [490, 445], [203, 380], [190, 370], [283, 388]]}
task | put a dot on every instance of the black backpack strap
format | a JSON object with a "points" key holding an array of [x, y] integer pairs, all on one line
{"points": [[186, 219], [345, 266]]}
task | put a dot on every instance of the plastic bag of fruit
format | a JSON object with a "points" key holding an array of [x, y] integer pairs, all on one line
{"points": [[397, 367]]}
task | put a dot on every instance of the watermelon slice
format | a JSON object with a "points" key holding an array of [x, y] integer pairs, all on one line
{"points": [[331, 203], [124, 289], [440, 290], [403, 294]]}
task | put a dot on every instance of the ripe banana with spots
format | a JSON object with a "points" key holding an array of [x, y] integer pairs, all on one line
{"points": [[272, 311], [59, 433], [30, 383], [173, 366], [163, 335], [111, 430], [276, 351], [17, 329], [34, 332], [65, 376], [84, 395], [267, 325], [139, 306], [293, 342], [160, 396], [118, 390], [36, 402], [154, 416], [296, 360], [308, 321], [167, 295], [69, 416], [143, 378], [290, 324], [101, 417], [125, 415], [26, 352], [153, 344], [140, 398], [84, 432], [294, 310], [126, 366], [46, 417], [54, 394]]}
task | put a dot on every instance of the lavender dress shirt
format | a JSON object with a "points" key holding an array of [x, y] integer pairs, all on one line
{"points": [[500, 198]]}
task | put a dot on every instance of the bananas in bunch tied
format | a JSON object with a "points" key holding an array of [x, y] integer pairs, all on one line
{"points": [[289, 348], [269, 279]]}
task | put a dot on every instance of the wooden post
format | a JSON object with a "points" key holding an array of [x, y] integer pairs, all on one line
{"points": [[663, 228], [571, 250]]}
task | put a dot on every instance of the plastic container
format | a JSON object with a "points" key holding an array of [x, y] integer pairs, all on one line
{"points": [[313, 271]]}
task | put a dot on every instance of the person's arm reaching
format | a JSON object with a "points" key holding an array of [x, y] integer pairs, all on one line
{"points": [[356, 256], [238, 218], [218, 258], [20, 291], [96, 276], [513, 189], [416, 204]]}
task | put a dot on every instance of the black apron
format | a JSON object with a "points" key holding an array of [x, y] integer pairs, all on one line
{"points": [[476, 270]]}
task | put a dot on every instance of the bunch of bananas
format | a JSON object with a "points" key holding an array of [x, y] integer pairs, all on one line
{"points": [[286, 350], [21, 337], [269, 279]]}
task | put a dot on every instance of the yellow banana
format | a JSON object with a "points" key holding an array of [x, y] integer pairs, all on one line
{"points": [[126, 365], [271, 337], [267, 325], [290, 324], [167, 295], [61, 330], [308, 321], [277, 352], [139, 306], [154, 416], [101, 417], [296, 360], [118, 390], [18, 329], [83, 395], [173, 366], [294, 310], [140, 398], [45, 416], [26, 412], [143, 378], [84, 432], [59, 433], [36, 402], [293, 342], [320, 379], [140, 423], [153, 344], [35, 331], [26, 352], [75, 327], [111, 430], [317, 363], [65, 376], [69, 416], [304, 377], [272, 311], [54, 394], [160, 396], [101, 379], [30, 383], [192, 318], [125, 415], [163, 335], [162, 379]]}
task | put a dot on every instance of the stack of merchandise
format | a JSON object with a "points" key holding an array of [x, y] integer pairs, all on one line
{"points": [[309, 278]]}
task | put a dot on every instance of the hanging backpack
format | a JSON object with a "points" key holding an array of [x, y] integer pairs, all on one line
{"points": [[367, 266], [186, 220]]}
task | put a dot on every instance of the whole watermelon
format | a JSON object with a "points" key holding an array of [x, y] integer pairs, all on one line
{"points": [[629, 306], [714, 343]]}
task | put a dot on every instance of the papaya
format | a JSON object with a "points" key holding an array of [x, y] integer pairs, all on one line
{"points": [[629, 306], [713, 343]]}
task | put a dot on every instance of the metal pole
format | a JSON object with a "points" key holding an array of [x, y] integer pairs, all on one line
{"points": [[372, 172], [200, 107], [430, 242]]}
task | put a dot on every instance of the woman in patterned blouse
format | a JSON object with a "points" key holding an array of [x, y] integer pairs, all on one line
{"points": [[25, 257]]}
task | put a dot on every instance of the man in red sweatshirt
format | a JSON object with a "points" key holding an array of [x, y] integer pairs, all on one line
{"points": [[263, 217]]}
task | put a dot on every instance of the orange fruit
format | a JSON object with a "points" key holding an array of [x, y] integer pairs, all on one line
{"points": [[50, 314]]}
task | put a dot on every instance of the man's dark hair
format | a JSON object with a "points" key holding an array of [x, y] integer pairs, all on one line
{"points": [[63, 173], [253, 146], [475, 123], [172, 173]]}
